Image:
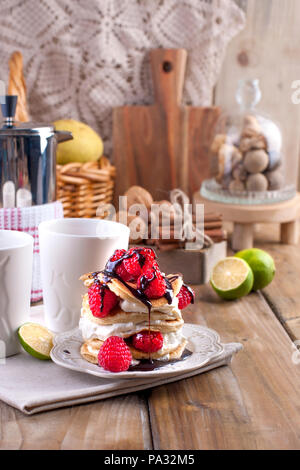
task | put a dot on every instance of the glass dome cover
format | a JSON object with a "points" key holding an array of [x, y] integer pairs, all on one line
{"points": [[247, 157]]}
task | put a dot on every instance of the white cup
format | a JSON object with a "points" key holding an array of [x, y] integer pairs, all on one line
{"points": [[16, 253], [68, 249]]}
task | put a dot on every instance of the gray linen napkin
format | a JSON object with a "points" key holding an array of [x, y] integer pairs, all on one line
{"points": [[33, 386]]}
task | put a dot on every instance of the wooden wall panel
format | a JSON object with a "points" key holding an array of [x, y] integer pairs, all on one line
{"points": [[269, 49]]}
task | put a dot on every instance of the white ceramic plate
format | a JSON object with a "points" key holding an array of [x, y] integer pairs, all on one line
{"points": [[202, 342]]}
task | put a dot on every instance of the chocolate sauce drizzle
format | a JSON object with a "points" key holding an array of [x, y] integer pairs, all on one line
{"points": [[147, 366], [139, 293], [191, 292], [110, 272]]}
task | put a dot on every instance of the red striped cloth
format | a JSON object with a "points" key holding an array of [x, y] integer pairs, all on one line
{"points": [[27, 220]]}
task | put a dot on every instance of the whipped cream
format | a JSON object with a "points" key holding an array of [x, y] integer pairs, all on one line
{"points": [[171, 340], [90, 330]]}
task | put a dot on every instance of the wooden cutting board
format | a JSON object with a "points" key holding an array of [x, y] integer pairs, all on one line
{"points": [[165, 145]]}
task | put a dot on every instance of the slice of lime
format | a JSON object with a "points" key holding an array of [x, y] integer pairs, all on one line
{"points": [[36, 339], [232, 278]]}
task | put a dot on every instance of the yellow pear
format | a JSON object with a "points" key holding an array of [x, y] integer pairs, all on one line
{"points": [[86, 145]]}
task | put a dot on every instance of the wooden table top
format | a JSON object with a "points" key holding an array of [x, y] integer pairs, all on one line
{"points": [[252, 404]]}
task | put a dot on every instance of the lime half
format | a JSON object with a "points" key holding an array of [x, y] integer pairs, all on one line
{"points": [[232, 278], [262, 265], [36, 339]]}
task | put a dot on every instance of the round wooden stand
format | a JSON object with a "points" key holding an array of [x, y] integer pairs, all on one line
{"points": [[244, 218]]}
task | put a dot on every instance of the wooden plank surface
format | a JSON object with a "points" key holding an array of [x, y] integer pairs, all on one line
{"points": [[283, 295], [118, 423], [251, 405]]}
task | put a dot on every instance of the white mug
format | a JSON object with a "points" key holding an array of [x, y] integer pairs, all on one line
{"points": [[16, 254], [68, 249]]}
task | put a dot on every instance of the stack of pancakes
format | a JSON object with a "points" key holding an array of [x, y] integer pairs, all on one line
{"points": [[132, 316]]}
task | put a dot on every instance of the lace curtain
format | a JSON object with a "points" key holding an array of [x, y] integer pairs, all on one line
{"points": [[84, 57]]}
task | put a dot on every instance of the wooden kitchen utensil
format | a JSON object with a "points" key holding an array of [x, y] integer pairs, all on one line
{"points": [[165, 145], [17, 85]]}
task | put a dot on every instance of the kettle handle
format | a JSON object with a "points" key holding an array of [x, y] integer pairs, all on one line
{"points": [[63, 136]]}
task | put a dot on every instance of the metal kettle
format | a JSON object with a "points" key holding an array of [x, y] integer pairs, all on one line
{"points": [[28, 154]]}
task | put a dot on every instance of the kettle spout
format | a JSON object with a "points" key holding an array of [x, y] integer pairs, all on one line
{"points": [[63, 136]]}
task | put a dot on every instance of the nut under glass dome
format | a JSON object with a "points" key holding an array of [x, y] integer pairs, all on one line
{"points": [[247, 155]]}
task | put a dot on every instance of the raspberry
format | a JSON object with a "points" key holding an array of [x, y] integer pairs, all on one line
{"points": [[149, 253], [148, 341], [114, 355], [101, 300], [185, 297], [152, 283], [110, 265], [150, 259], [140, 260], [134, 261], [123, 273], [117, 255], [134, 265], [118, 268]]}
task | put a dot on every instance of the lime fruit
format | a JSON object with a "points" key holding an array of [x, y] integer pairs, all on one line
{"points": [[262, 265], [232, 278], [36, 339]]}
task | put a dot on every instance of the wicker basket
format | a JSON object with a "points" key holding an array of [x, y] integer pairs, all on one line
{"points": [[83, 187]]}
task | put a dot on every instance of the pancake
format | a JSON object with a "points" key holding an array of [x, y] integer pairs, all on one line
{"points": [[117, 315], [164, 318], [102, 332], [120, 289], [90, 349]]}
